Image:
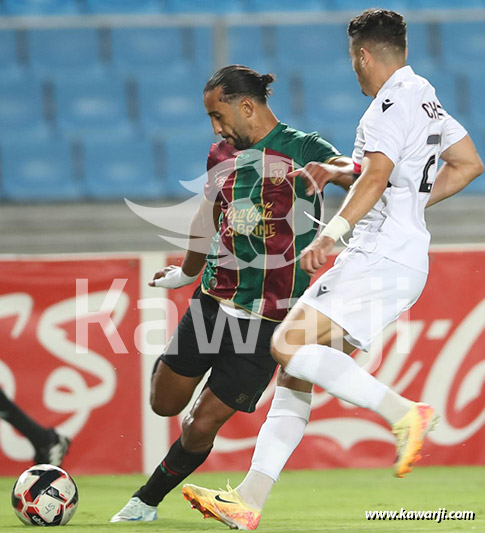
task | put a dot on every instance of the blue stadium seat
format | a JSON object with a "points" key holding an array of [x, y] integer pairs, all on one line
{"points": [[477, 102], [206, 6], [444, 4], [463, 45], [324, 46], [445, 84], [21, 109], [121, 168], [123, 6], [38, 171], [285, 5], [169, 103], [423, 50], [247, 46], [281, 101], [40, 7], [146, 49], [96, 107], [70, 52], [356, 5], [162, 50], [9, 66], [333, 98], [185, 160]]}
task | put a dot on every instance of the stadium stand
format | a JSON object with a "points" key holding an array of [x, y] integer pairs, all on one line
{"points": [[21, 109], [70, 53], [38, 171], [122, 6], [126, 166], [118, 84], [168, 103], [93, 108], [40, 7]]}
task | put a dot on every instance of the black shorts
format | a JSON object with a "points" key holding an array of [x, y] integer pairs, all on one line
{"points": [[239, 373]]}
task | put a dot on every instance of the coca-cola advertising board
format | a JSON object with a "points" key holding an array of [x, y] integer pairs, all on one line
{"points": [[70, 361], [80, 336]]}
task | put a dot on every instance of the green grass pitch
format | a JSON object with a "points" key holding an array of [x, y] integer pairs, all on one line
{"points": [[301, 501]]}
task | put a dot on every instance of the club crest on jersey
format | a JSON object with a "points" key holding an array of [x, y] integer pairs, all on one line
{"points": [[277, 173]]}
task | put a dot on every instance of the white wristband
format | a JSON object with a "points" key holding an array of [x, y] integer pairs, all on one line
{"points": [[174, 279], [336, 228]]}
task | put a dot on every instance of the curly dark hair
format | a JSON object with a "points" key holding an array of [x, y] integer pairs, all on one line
{"points": [[378, 26]]}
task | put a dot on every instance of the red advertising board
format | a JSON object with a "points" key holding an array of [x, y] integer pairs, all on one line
{"points": [[71, 359], [83, 380], [443, 365]]}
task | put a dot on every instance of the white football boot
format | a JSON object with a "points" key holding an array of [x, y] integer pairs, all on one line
{"points": [[136, 511]]}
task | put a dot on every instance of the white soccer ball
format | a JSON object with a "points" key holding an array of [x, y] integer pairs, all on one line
{"points": [[45, 495]]}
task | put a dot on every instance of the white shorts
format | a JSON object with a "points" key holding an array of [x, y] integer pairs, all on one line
{"points": [[363, 293]]}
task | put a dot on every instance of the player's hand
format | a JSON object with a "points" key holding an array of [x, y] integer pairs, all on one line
{"points": [[316, 176], [171, 277], [315, 255]]}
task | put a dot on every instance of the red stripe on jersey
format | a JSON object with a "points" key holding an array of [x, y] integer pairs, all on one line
{"points": [[278, 199], [227, 273], [357, 168]]}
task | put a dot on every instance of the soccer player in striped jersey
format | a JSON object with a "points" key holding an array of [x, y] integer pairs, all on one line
{"points": [[246, 237]]}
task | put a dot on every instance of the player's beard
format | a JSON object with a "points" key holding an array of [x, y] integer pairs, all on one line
{"points": [[241, 142]]}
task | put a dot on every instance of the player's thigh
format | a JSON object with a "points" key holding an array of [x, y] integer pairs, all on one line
{"points": [[304, 325], [170, 391], [183, 364], [289, 382], [241, 373]]}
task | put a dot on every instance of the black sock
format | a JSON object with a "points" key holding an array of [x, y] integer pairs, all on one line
{"points": [[22, 422], [176, 466]]}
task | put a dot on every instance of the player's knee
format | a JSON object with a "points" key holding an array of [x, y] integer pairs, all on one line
{"points": [[199, 429], [163, 406]]}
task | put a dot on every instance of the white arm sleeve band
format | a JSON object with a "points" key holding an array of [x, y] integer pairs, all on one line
{"points": [[336, 228], [174, 279]]}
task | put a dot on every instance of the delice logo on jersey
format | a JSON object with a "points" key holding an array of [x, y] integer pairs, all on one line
{"points": [[266, 205]]}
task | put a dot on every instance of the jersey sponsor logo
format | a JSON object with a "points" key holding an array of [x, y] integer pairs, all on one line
{"points": [[277, 172], [246, 218], [386, 105], [323, 289]]}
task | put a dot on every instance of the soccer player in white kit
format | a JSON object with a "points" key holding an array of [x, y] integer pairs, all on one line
{"points": [[381, 274]]}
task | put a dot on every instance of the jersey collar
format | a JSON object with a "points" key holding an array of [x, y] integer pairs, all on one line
{"points": [[401, 74], [261, 143]]}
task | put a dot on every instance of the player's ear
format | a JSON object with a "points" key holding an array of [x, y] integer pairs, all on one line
{"points": [[364, 56], [246, 106]]}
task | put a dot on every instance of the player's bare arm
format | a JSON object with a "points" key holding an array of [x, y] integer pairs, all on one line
{"points": [[316, 175], [462, 165], [202, 229], [376, 170]]}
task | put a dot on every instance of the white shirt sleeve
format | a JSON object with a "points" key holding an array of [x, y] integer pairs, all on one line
{"points": [[385, 131], [453, 132]]}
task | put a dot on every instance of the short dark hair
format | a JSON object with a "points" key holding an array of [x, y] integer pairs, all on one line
{"points": [[379, 26], [238, 81]]}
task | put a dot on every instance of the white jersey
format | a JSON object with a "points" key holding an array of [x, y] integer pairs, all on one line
{"points": [[407, 123]]}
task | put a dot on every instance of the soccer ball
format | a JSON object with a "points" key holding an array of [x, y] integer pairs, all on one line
{"points": [[45, 495]]}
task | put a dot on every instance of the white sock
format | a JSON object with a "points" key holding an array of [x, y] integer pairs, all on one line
{"points": [[393, 407], [277, 439], [338, 374]]}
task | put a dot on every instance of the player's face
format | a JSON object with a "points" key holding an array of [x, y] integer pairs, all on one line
{"points": [[227, 120], [358, 66]]}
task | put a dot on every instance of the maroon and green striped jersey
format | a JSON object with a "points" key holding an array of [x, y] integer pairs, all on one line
{"points": [[253, 260]]}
